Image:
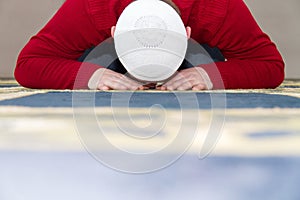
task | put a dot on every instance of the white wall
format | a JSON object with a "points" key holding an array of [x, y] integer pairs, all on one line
{"points": [[20, 19], [281, 20]]}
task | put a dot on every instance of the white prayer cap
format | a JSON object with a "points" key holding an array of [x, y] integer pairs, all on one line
{"points": [[150, 40]]}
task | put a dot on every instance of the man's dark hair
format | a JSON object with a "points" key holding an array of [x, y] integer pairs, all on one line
{"points": [[173, 5]]}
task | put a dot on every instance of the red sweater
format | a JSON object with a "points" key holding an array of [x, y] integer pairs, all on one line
{"points": [[49, 60]]}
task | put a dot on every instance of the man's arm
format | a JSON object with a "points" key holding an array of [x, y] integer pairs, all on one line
{"points": [[49, 58], [253, 61]]}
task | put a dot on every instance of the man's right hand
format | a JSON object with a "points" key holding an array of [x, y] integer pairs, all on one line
{"points": [[106, 79]]}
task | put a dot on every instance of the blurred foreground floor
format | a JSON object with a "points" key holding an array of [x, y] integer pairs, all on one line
{"points": [[242, 144]]}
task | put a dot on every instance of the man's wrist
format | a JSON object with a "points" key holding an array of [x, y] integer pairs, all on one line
{"points": [[206, 78], [95, 79]]}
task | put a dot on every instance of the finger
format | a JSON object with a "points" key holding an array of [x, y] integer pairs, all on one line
{"points": [[113, 80], [112, 84], [199, 87], [160, 88], [142, 87], [124, 83], [182, 84], [177, 77], [101, 86], [122, 79], [104, 88], [185, 86], [132, 84], [186, 73]]}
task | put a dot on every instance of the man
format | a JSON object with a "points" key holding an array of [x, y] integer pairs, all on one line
{"points": [[50, 59]]}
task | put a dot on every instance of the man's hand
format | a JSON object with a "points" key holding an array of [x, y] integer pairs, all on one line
{"points": [[194, 78], [106, 79]]}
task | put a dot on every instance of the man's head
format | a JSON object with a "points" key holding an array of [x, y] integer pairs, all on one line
{"points": [[174, 6], [150, 39]]}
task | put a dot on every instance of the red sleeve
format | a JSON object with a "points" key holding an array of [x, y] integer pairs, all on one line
{"points": [[49, 60], [253, 61]]}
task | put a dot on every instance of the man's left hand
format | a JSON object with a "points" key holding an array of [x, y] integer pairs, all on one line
{"points": [[194, 78]]}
